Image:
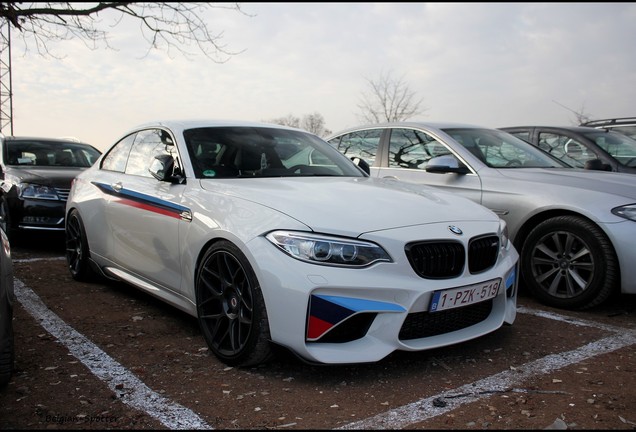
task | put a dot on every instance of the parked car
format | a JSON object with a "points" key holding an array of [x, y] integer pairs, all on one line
{"points": [[574, 229], [7, 300], [267, 235], [35, 179], [624, 125], [582, 147]]}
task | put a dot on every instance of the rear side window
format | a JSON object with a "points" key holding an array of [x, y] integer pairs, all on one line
{"points": [[361, 144], [116, 158]]}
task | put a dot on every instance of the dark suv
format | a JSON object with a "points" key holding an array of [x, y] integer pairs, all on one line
{"points": [[624, 125], [582, 147], [35, 180]]}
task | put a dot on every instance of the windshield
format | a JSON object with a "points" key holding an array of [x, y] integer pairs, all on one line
{"points": [[49, 153], [619, 146], [229, 152], [499, 149]]}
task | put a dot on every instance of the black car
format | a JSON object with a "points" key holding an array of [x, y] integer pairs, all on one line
{"points": [[7, 300], [35, 179], [581, 146]]}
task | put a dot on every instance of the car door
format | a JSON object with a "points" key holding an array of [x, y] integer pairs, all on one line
{"points": [[144, 214], [406, 153]]}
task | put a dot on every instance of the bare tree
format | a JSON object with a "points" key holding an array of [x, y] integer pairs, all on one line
{"points": [[580, 116], [315, 123], [290, 120], [388, 99], [164, 25]]}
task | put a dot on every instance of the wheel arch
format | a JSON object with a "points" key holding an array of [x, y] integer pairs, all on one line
{"points": [[529, 224]]}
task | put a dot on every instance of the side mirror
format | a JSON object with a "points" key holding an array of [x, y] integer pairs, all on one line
{"points": [[446, 164], [596, 165], [362, 165], [163, 168]]}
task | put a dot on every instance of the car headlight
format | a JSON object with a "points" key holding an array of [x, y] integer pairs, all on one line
{"points": [[626, 211], [29, 190], [503, 234], [326, 250]]}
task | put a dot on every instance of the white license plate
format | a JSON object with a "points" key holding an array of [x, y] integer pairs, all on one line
{"points": [[464, 296]]}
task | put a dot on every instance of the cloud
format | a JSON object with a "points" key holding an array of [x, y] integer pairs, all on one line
{"points": [[485, 63]]}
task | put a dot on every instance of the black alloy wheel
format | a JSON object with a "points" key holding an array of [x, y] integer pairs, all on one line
{"points": [[77, 252], [230, 307]]}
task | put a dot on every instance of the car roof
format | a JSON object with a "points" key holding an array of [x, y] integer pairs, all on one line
{"points": [[580, 129], [413, 124], [201, 123], [38, 138]]}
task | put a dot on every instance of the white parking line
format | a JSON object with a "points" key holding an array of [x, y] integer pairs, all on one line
{"points": [[406, 415], [134, 392], [175, 416]]}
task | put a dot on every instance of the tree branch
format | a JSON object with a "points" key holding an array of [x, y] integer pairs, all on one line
{"points": [[163, 25]]}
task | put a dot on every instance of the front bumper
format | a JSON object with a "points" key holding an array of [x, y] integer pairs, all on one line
{"points": [[344, 315], [32, 214]]}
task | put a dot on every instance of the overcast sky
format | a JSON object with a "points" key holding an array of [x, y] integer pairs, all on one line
{"points": [[490, 64]]}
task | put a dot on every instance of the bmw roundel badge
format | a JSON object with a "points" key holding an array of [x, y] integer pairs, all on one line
{"points": [[455, 230]]}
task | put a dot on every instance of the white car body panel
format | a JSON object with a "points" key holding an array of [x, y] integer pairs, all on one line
{"points": [[152, 233]]}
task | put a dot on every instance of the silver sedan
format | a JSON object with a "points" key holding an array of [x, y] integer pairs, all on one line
{"points": [[575, 229]]}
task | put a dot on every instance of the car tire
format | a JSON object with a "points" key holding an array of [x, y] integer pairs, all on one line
{"points": [[7, 355], [7, 350], [77, 251], [230, 307], [568, 262], [5, 219]]}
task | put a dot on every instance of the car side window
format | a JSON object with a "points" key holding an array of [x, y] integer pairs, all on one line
{"points": [[148, 144], [524, 135], [115, 159], [409, 148], [361, 144], [565, 148]]}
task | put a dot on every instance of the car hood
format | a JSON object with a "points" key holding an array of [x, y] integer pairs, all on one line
{"points": [[50, 176], [621, 184], [353, 204]]}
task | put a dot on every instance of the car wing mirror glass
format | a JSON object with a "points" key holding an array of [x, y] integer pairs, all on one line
{"points": [[446, 164]]}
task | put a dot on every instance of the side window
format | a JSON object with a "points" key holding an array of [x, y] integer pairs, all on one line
{"points": [[361, 144], [115, 159], [413, 149], [524, 135], [148, 144], [565, 148]]}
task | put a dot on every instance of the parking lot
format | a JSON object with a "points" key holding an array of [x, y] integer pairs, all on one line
{"points": [[106, 356]]}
